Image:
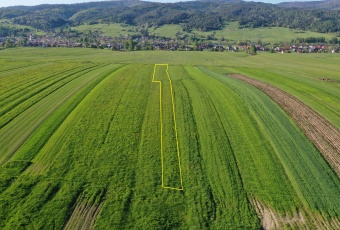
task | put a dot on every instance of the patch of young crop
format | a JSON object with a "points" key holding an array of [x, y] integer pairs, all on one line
{"points": [[19, 102], [23, 157], [16, 132], [16, 85], [101, 148], [217, 158], [14, 82], [169, 149], [12, 67]]}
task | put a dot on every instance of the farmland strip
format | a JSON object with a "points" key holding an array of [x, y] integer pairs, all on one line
{"points": [[17, 132], [168, 137], [199, 195], [314, 181], [12, 83], [218, 155], [38, 139], [324, 135], [85, 108], [31, 81], [23, 67], [9, 112]]}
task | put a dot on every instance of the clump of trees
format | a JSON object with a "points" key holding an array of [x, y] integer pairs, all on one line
{"points": [[252, 50], [12, 32]]}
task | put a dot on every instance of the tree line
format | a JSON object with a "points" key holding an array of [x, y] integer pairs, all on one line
{"points": [[12, 32]]}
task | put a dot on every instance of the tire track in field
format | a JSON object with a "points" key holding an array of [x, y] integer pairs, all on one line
{"points": [[231, 163], [199, 167], [324, 135], [114, 110]]}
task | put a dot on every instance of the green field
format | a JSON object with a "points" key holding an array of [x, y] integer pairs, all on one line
{"points": [[230, 32], [80, 146], [110, 30], [9, 24]]}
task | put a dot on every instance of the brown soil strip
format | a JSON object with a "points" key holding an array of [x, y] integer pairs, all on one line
{"points": [[324, 135], [272, 220]]}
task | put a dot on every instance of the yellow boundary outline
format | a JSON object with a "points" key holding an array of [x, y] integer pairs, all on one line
{"points": [[161, 126]]}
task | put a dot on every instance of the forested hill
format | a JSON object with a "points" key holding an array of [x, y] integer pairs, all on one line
{"points": [[326, 4], [202, 15]]}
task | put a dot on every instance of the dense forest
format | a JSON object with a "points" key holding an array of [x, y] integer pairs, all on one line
{"points": [[326, 4], [201, 15]]}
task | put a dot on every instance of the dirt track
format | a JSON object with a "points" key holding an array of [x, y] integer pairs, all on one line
{"points": [[324, 135]]}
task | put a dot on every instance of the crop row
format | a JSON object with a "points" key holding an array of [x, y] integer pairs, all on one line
{"points": [[16, 132], [24, 155], [91, 157], [22, 100]]}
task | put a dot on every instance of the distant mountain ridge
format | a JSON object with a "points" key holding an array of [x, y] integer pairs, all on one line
{"points": [[326, 4], [229, 1], [203, 15]]}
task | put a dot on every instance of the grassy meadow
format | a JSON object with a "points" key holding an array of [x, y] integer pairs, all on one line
{"points": [[110, 30], [230, 32], [80, 148]]}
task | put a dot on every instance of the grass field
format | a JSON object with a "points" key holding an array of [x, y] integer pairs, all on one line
{"points": [[230, 31], [111, 30], [80, 143], [9, 24]]}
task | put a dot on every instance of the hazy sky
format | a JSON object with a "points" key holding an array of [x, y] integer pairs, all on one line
{"points": [[4, 3]]}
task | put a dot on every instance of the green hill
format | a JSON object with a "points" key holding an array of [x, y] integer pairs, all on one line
{"points": [[192, 15]]}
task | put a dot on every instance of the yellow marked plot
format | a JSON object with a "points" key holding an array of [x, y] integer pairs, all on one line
{"points": [[169, 147]]}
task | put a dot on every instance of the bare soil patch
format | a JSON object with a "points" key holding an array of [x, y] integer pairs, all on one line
{"points": [[83, 217], [330, 80], [270, 219], [324, 135]]}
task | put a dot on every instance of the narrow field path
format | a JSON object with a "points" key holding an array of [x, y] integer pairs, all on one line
{"points": [[324, 135]]}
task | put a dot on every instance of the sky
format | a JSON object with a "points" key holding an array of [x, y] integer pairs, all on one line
{"points": [[4, 3]]}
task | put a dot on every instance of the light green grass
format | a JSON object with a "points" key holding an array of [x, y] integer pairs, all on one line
{"points": [[168, 31], [268, 34], [29, 113], [232, 33], [10, 24], [110, 30]]}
